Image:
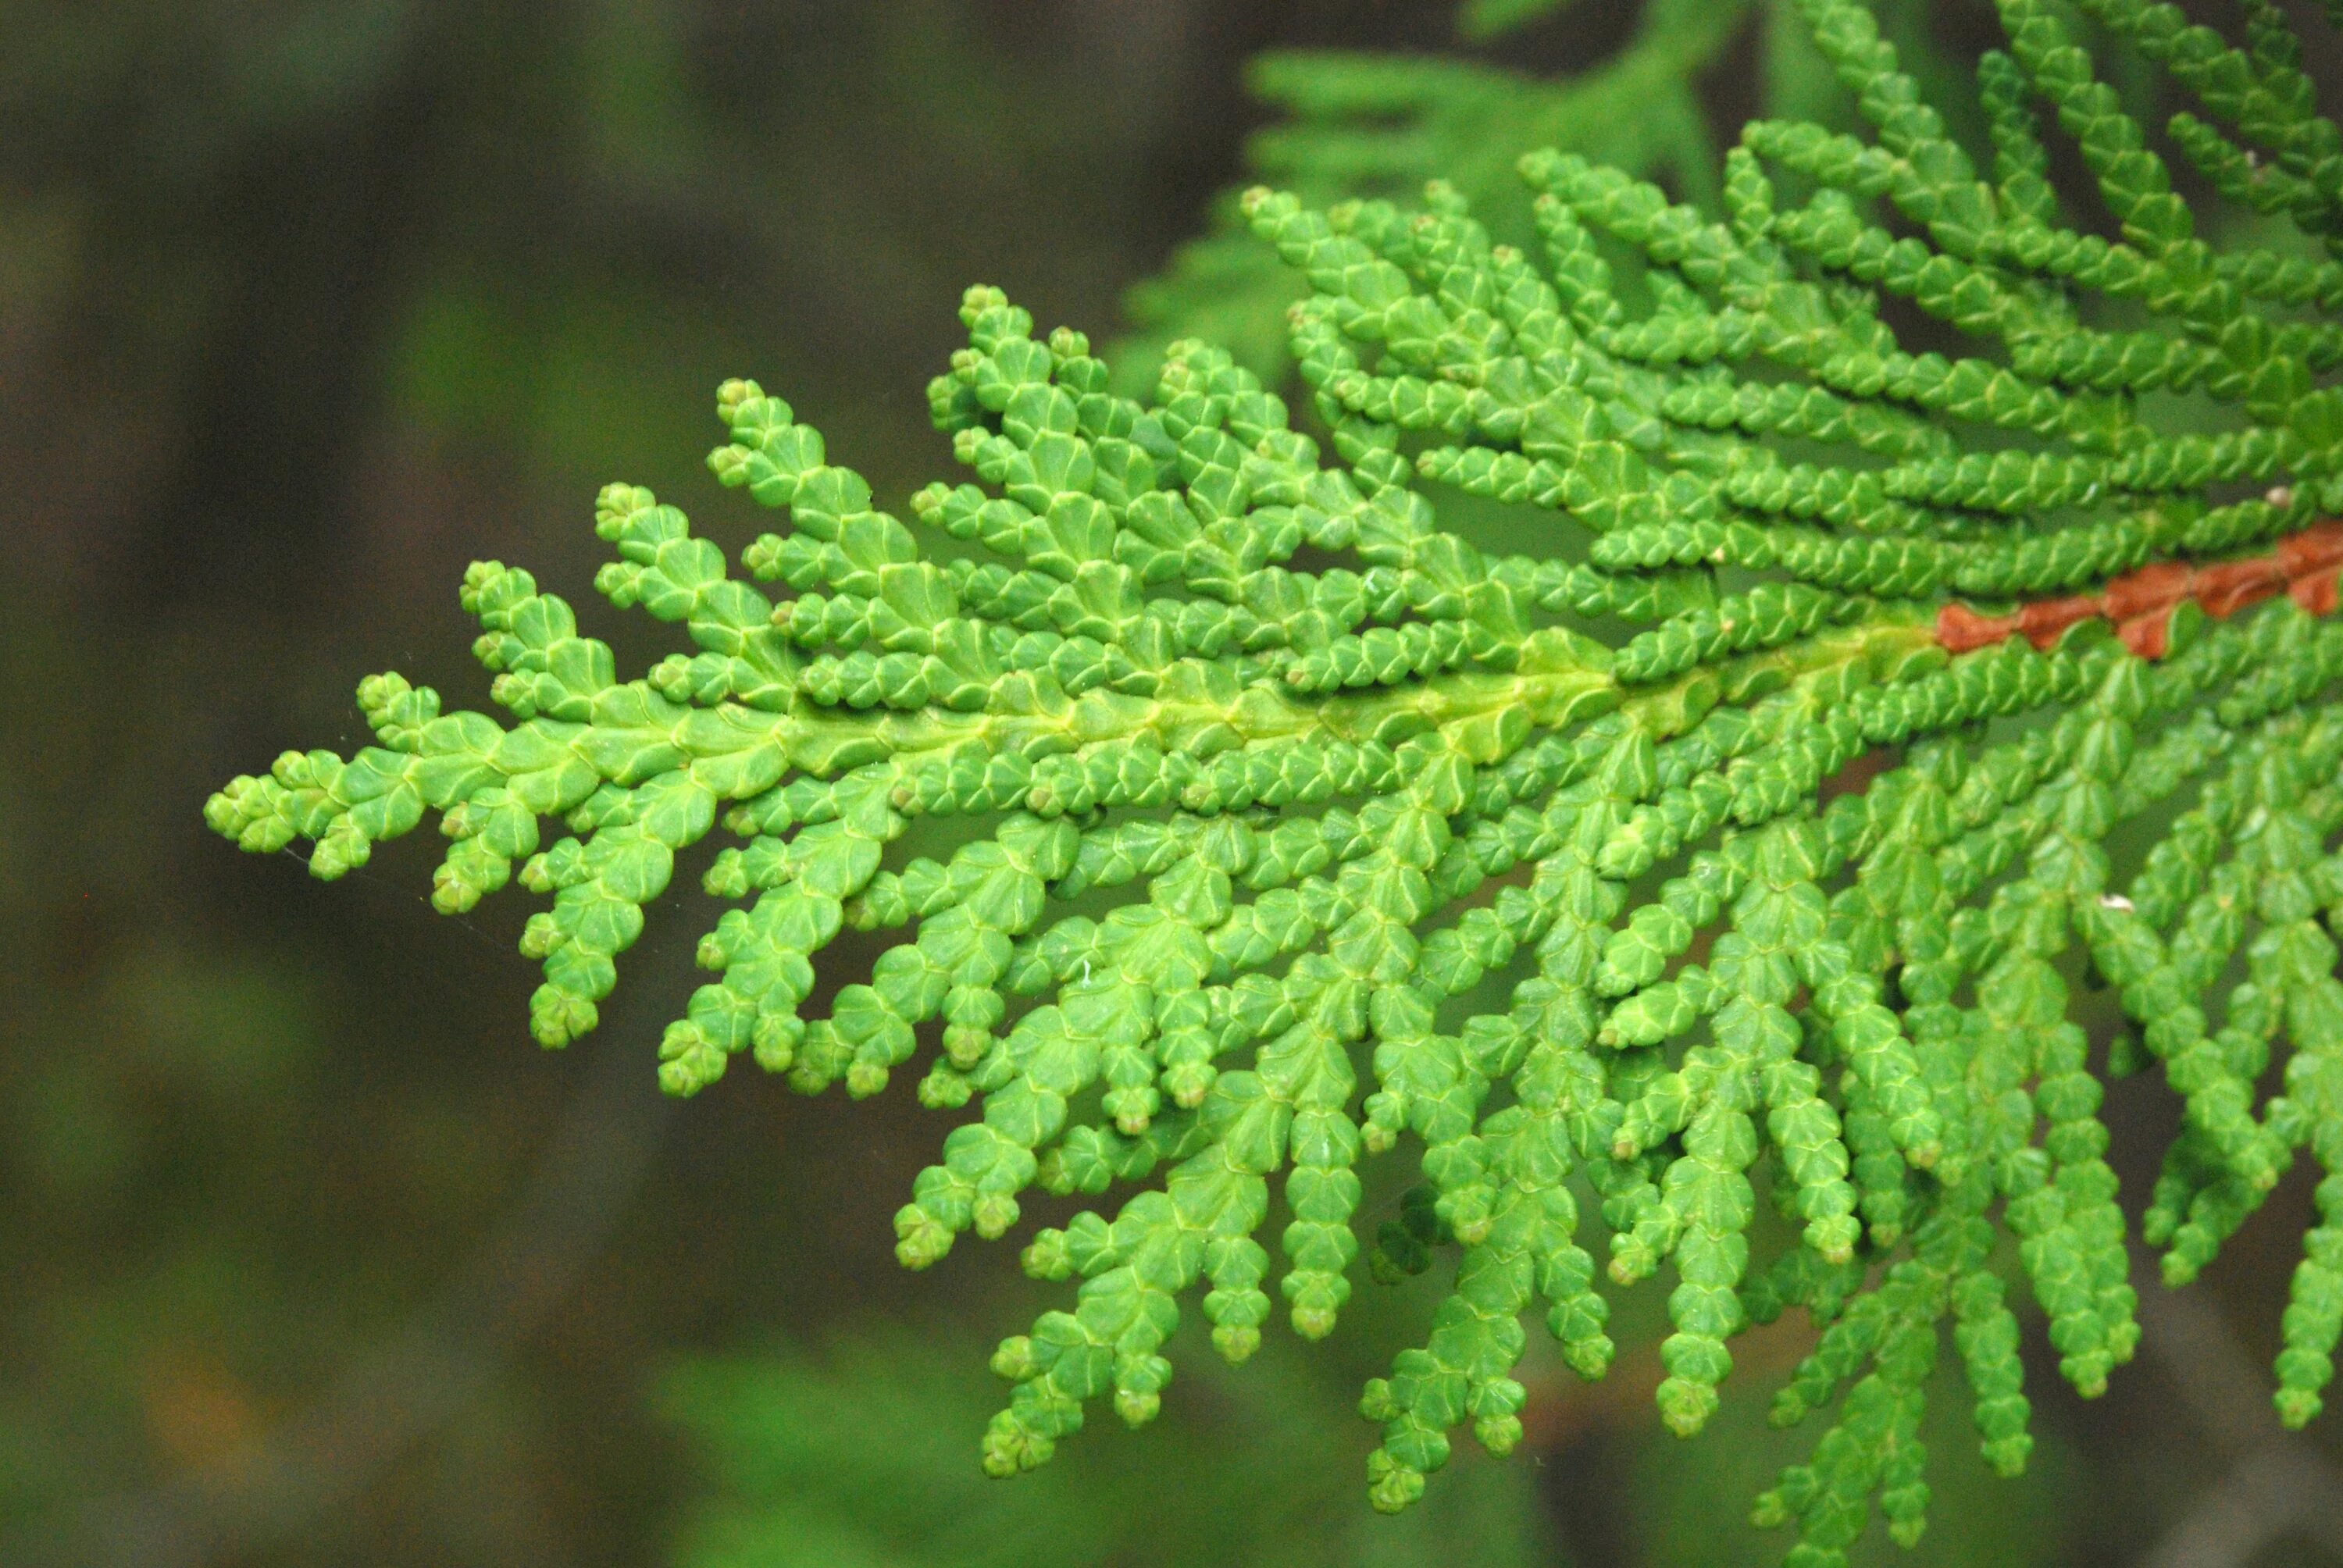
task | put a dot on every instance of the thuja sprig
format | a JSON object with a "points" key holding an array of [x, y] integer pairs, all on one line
{"points": [[1381, 846]]}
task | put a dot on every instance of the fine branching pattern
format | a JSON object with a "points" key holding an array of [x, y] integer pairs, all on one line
{"points": [[1760, 845]]}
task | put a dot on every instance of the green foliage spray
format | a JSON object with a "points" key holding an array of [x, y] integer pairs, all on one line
{"points": [[1288, 828]]}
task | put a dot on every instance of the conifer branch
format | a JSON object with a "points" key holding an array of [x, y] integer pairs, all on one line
{"points": [[1527, 861]]}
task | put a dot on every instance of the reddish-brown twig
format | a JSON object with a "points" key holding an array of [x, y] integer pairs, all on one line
{"points": [[2304, 565]]}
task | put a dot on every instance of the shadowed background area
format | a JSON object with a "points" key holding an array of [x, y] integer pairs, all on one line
{"points": [[307, 1255]]}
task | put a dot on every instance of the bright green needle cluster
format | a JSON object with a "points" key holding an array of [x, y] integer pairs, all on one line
{"points": [[1295, 828]]}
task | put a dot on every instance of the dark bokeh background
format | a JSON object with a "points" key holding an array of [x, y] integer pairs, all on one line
{"points": [[307, 1256]]}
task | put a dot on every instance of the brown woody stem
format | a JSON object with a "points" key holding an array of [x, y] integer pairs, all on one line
{"points": [[2304, 565]]}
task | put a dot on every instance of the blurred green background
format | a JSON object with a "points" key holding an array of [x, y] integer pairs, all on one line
{"points": [[307, 1256]]}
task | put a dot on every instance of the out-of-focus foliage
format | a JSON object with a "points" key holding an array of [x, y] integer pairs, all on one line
{"points": [[856, 1456], [852, 1454], [1481, 20]]}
